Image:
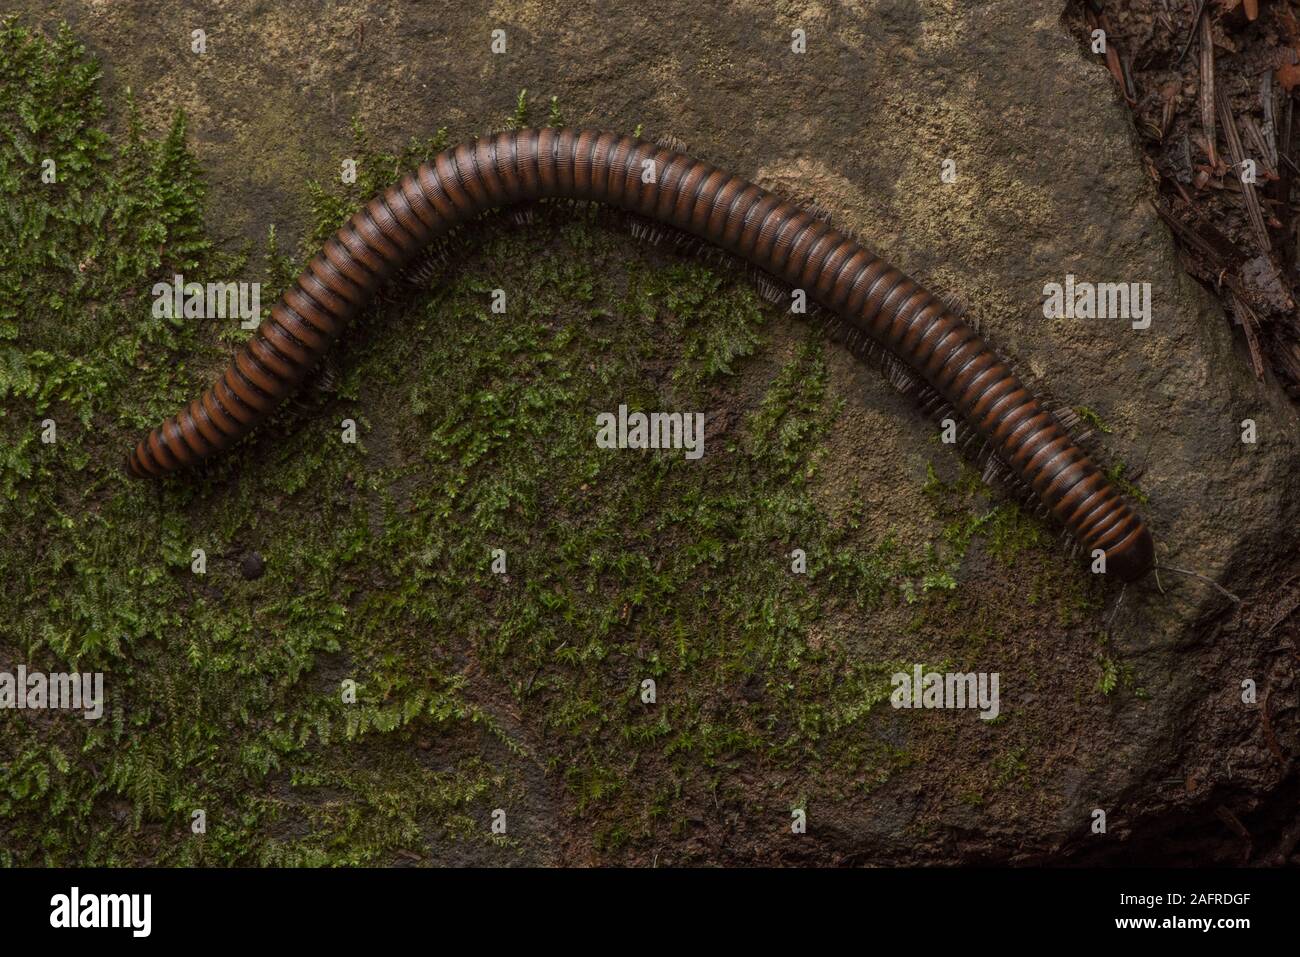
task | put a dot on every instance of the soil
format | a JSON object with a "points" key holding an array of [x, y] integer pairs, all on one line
{"points": [[1211, 90]]}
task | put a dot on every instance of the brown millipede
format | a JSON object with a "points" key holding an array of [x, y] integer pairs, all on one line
{"points": [[668, 186]]}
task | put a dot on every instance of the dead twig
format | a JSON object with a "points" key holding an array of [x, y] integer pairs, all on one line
{"points": [[1168, 112], [1191, 33], [1249, 324], [1217, 249], [1207, 91], [1232, 822], [1238, 156], [1269, 737], [1266, 100], [1255, 137], [1115, 62], [1282, 188]]}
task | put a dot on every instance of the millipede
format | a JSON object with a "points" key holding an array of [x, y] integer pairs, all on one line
{"points": [[876, 302]]}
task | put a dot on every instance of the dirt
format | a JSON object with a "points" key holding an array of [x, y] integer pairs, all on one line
{"points": [[1049, 181], [1210, 87]]}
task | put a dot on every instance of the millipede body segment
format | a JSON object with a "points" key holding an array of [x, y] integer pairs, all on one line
{"points": [[668, 186]]}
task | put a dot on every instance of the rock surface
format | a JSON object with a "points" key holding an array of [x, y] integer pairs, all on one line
{"points": [[1047, 183]]}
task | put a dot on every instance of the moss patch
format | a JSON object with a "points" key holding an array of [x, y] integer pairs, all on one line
{"points": [[475, 691]]}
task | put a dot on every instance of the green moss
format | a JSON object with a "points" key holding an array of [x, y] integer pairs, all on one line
{"points": [[555, 118], [1115, 674], [1010, 767], [520, 118], [1116, 475], [1091, 418], [213, 699], [1005, 529], [476, 434]]}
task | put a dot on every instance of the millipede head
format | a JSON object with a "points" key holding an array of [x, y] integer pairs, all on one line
{"points": [[1132, 558]]}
